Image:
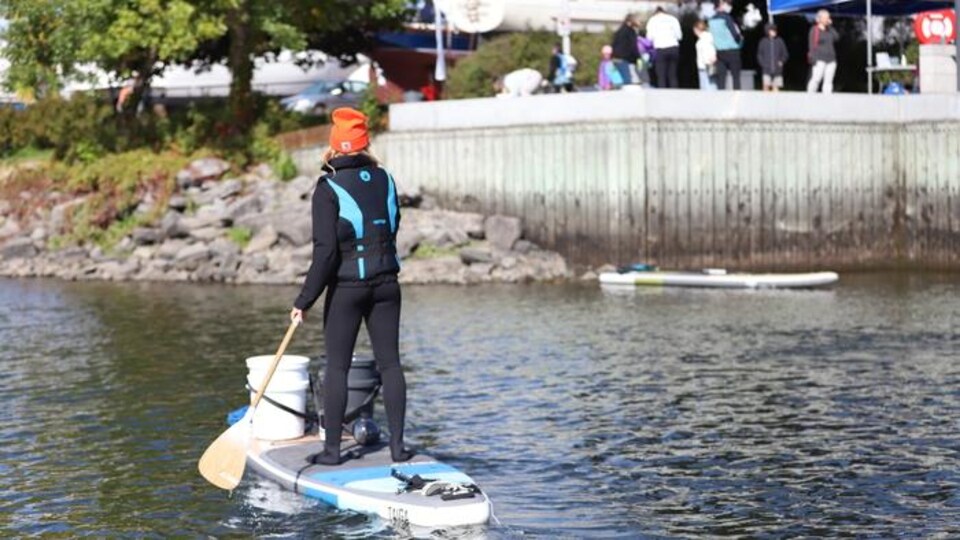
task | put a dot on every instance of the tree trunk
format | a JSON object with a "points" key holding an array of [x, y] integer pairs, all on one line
{"points": [[141, 85], [240, 62]]}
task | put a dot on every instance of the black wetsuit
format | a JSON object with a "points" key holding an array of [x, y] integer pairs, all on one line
{"points": [[355, 219]]}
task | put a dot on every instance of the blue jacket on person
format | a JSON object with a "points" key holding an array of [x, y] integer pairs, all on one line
{"points": [[726, 34]]}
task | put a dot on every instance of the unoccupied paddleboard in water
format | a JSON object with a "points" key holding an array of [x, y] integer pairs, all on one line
{"points": [[371, 483], [719, 279]]}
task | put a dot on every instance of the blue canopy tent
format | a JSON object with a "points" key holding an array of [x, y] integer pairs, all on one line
{"points": [[868, 8]]}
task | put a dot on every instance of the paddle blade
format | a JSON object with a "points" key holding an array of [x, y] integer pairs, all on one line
{"points": [[226, 458]]}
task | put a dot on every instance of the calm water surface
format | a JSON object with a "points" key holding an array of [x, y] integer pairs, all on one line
{"points": [[650, 413]]}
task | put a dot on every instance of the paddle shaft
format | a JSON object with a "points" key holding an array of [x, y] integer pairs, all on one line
{"points": [[273, 366]]}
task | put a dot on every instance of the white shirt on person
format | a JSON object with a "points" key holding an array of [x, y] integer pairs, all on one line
{"points": [[706, 51], [664, 31], [522, 82]]}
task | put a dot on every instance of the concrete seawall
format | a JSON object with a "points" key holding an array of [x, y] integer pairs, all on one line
{"points": [[680, 178]]}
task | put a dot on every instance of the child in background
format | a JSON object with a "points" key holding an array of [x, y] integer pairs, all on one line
{"points": [[772, 55], [706, 56], [608, 76]]}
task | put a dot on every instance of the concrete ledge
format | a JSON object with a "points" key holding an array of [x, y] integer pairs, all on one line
{"points": [[673, 104]]}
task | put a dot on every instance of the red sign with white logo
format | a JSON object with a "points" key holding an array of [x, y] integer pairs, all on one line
{"points": [[936, 26]]}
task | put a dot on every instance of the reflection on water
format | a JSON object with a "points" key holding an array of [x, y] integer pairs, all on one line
{"points": [[583, 412]]}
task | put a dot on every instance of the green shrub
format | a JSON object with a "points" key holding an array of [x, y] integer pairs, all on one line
{"points": [[263, 148], [427, 250], [474, 75], [240, 236], [375, 111], [86, 127]]}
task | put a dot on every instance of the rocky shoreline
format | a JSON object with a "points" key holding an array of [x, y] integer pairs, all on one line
{"points": [[257, 229]]}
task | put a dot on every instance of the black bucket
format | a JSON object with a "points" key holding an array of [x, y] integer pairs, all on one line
{"points": [[363, 383]]}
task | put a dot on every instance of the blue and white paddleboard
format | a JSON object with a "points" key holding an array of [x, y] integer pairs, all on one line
{"points": [[712, 278], [368, 483]]}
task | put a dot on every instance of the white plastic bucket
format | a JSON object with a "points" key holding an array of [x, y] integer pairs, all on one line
{"points": [[288, 386]]}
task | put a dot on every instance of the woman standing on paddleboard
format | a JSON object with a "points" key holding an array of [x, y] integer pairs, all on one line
{"points": [[356, 213]]}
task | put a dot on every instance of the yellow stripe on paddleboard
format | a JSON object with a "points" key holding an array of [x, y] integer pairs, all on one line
{"points": [[649, 280]]}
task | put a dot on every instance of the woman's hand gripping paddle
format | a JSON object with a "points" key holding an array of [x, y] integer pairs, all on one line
{"points": [[223, 462]]}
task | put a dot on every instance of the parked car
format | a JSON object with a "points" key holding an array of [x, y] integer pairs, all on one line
{"points": [[324, 96]]}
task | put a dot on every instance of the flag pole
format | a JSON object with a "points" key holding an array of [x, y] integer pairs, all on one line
{"points": [[440, 70]]}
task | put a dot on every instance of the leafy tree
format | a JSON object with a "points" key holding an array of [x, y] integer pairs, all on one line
{"points": [[48, 40], [137, 39], [42, 44], [340, 28]]}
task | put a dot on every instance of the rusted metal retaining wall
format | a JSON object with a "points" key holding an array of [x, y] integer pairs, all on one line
{"points": [[719, 192]]}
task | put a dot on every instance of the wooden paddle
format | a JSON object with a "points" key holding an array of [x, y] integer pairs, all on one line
{"points": [[223, 462]]}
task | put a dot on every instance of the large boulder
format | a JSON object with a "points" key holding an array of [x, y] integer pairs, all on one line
{"points": [[5, 207], [206, 234], [302, 257], [189, 224], [222, 247], [213, 211], [117, 270], [524, 247], [438, 270], [177, 203], [60, 213], [220, 269], [199, 170], [441, 228], [408, 238], [190, 257], [300, 211], [219, 191], [476, 255], [144, 236], [468, 222], [300, 187], [297, 230], [169, 249], [18, 248], [9, 228], [409, 196], [258, 263], [263, 240], [263, 171], [170, 226], [502, 231], [243, 206]]}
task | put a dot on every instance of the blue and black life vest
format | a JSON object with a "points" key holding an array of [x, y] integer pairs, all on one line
{"points": [[368, 218]]}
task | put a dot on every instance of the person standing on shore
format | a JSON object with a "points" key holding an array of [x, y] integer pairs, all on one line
{"points": [[772, 54], [625, 52], [706, 56], [355, 219], [561, 70], [727, 39], [823, 53], [663, 29]]}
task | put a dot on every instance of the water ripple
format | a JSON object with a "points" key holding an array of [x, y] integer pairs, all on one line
{"points": [[584, 413]]}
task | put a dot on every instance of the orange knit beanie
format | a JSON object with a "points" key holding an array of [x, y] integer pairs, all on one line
{"points": [[349, 132]]}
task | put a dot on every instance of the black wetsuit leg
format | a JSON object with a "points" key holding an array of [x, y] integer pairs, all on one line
{"points": [[343, 310], [383, 324]]}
